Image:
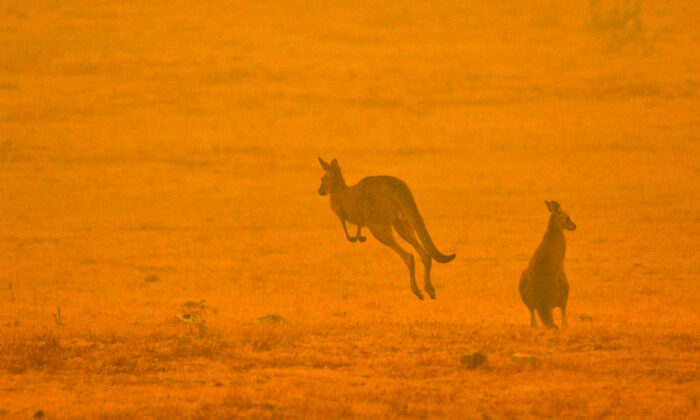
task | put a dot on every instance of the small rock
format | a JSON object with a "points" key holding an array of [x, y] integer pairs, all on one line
{"points": [[269, 319], [523, 358], [585, 317], [191, 305], [188, 318], [39, 414], [151, 278], [474, 360]]}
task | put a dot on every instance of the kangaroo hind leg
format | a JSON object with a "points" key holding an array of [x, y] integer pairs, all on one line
{"points": [[564, 284], [406, 231], [358, 235], [564, 324], [384, 234], [545, 312]]}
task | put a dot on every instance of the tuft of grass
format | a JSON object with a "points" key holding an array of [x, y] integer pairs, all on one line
{"points": [[21, 353]]}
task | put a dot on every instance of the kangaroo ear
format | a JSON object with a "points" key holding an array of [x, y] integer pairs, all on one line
{"points": [[324, 164], [334, 164], [553, 206]]}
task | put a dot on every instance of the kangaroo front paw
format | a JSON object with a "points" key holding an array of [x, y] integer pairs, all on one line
{"points": [[362, 238], [352, 239]]}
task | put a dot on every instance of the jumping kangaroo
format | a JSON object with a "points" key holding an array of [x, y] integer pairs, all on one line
{"points": [[382, 203], [543, 285]]}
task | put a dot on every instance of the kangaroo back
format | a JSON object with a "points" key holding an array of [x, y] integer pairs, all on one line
{"points": [[409, 207]]}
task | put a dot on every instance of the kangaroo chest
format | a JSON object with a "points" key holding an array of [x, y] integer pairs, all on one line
{"points": [[548, 260], [349, 207]]}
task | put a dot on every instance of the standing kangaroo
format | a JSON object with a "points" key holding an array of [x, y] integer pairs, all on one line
{"points": [[382, 203], [543, 285]]}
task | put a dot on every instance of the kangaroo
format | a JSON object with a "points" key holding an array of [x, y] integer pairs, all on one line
{"points": [[383, 204], [543, 285]]}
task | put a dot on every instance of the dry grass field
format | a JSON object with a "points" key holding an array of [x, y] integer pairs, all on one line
{"points": [[154, 153]]}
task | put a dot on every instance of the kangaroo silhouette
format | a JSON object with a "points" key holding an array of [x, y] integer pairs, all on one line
{"points": [[383, 204], [543, 284]]}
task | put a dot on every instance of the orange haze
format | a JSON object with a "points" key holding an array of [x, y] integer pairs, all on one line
{"points": [[158, 152]]}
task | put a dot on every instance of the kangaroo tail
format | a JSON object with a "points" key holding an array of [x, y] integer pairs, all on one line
{"points": [[545, 313], [411, 210]]}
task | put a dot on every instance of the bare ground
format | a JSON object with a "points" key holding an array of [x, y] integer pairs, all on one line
{"points": [[155, 154]]}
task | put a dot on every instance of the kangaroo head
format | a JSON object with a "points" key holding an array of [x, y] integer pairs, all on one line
{"points": [[331, 176], [559, 217]]}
